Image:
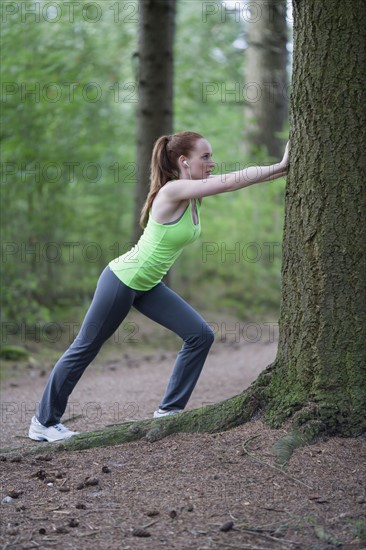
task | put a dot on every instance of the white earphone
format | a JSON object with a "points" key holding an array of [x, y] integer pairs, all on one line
{"points": [[186, 163]]}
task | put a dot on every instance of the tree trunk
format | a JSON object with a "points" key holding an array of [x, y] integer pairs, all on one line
{"points": [[155, 87], [320, 367], [265, 91]]}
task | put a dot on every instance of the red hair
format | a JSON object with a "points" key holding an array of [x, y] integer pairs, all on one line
{"points": [[164, 164]]}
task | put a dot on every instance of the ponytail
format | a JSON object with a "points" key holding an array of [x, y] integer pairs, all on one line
{"points": [[161, 173], [164, 164]]}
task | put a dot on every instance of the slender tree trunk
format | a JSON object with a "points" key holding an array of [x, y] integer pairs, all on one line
{"points": [[320, 366], [155, 85], [266, 108]]}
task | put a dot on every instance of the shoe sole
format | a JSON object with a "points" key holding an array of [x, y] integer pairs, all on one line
{"points": [[37, 437], [163, 415], [41, 437]]}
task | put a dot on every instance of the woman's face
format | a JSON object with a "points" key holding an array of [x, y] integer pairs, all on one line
{"points": [[200, 160]]}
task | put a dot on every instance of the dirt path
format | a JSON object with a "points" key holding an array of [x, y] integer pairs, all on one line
{"points": [[127, 382], [178, 493]]}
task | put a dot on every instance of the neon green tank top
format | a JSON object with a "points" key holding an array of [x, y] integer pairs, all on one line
{"points": [[144, 266]]}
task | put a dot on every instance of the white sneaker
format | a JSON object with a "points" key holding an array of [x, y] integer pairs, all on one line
{"points": [[161, 412], [38, 432]]}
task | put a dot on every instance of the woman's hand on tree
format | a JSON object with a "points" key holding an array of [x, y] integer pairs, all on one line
{"points": [[285, 161]]}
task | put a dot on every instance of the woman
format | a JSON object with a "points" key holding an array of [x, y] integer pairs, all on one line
{"points": [[180, 176]]}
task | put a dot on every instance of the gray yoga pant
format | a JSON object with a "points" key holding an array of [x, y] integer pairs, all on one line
{"points": [[111, 303]]}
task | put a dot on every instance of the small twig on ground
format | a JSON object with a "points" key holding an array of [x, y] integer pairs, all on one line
{"points": [[72, 418], [241, 547], [50, 540], [261, 534], [95, 530], [149, 524], [96, 511], [252, 455]]}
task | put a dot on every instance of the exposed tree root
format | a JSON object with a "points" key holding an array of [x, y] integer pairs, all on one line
{"points": [[210, 418], [306, 423]]}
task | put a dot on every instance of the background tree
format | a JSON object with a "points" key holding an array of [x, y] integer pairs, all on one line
{"points": [[265, 109], [155, 89]]}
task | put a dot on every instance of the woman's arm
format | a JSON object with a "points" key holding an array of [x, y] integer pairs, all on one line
{"points": [[188, 189]]}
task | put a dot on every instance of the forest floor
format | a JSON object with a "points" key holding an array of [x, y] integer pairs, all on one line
{"points": [[180, 492]]}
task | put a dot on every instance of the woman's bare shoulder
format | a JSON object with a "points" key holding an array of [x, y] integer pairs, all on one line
{"points": [[164, 209]]}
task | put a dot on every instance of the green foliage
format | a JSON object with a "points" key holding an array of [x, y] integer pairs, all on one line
{"points": [[69, 166], [13, 353], [67, 152]]}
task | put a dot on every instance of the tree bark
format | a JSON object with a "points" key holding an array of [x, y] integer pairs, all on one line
{"points": [[155, 89], [266, 107], [320, 367]]}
